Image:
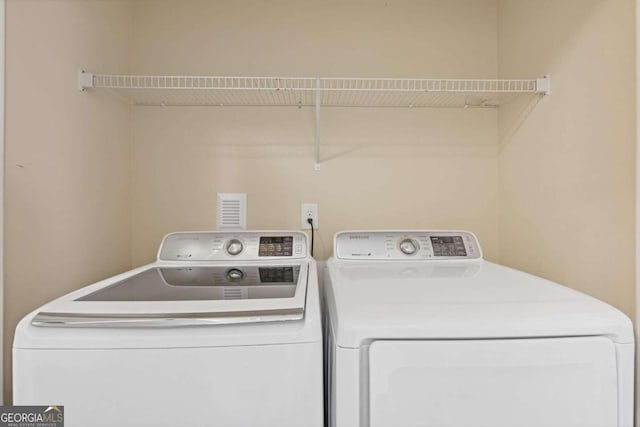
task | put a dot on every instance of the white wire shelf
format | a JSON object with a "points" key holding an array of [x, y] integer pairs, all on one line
{"points": [[308, 91], [314, 92]]}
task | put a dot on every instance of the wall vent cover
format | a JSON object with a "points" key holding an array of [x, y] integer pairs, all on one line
{"points": [[231, 211]]}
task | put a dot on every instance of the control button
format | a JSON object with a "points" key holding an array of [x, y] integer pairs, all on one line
{"points": [[234, 247], [235, 275], [409, 246]]}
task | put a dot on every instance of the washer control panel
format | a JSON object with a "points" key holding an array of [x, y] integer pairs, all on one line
{"points": [[407, 245], [233, 245]]}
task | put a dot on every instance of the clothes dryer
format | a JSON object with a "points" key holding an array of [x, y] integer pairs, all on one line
{"points": [[422, 331]]}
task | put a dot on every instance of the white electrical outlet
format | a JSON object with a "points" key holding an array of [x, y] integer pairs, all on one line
{"points": [[309, 210]]}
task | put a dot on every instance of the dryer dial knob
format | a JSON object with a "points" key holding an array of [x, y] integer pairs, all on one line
{"points": [[408, 246], [234, 247], [235, 275]]}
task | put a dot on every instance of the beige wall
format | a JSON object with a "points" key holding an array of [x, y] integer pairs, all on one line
{"points": [[567, 189], [389, 168], [67, 202]]}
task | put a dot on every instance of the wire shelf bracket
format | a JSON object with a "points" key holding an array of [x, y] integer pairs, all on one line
{"points": [[543, 85], [85, 80], [315, 92]]}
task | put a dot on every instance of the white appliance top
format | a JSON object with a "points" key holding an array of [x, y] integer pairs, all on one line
{"points": [[378, 291], [199, 278]]}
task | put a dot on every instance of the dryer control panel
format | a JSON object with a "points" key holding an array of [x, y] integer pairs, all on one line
{"points": [[233, 245], [407, 245]]}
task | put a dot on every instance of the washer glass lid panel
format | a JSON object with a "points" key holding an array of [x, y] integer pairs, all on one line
{"points": [[203, 284]]}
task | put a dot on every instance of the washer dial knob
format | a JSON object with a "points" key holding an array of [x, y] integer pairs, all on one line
{"points": [[235, 275], [234, 247], [408, 246]]}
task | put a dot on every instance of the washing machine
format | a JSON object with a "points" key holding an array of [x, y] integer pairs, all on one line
{"points": [[421, 331], [224, 329]]}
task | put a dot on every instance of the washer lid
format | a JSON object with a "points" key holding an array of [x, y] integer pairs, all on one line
{"points": [[180, 295], [371, 300]]}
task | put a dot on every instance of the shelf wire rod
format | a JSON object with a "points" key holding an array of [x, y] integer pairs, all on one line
{"points": [[343, 96], [255, 92], [279, 95], [355, 98], [379, 99], [224, 98], [360, 97], [244, 98], [365, 97], [284, 92], [288, 99], [231, 97], [262, 96], [331, 97], [270, 86], [412, 100], [428, 99], [352, 94], [290, 94], [190, 97], [258, 93], [318, 102], [218, 98], [202, 97], [255, 96], [348, 98], [171, 99], [352, 98], [403, 100], [397, 101], [208, 98], [302, 97]]}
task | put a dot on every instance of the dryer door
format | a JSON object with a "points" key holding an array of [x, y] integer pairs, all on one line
{"points": [[561, 382]]}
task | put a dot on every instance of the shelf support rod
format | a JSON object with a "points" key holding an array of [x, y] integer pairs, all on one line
{"points": [[317, 147]]}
